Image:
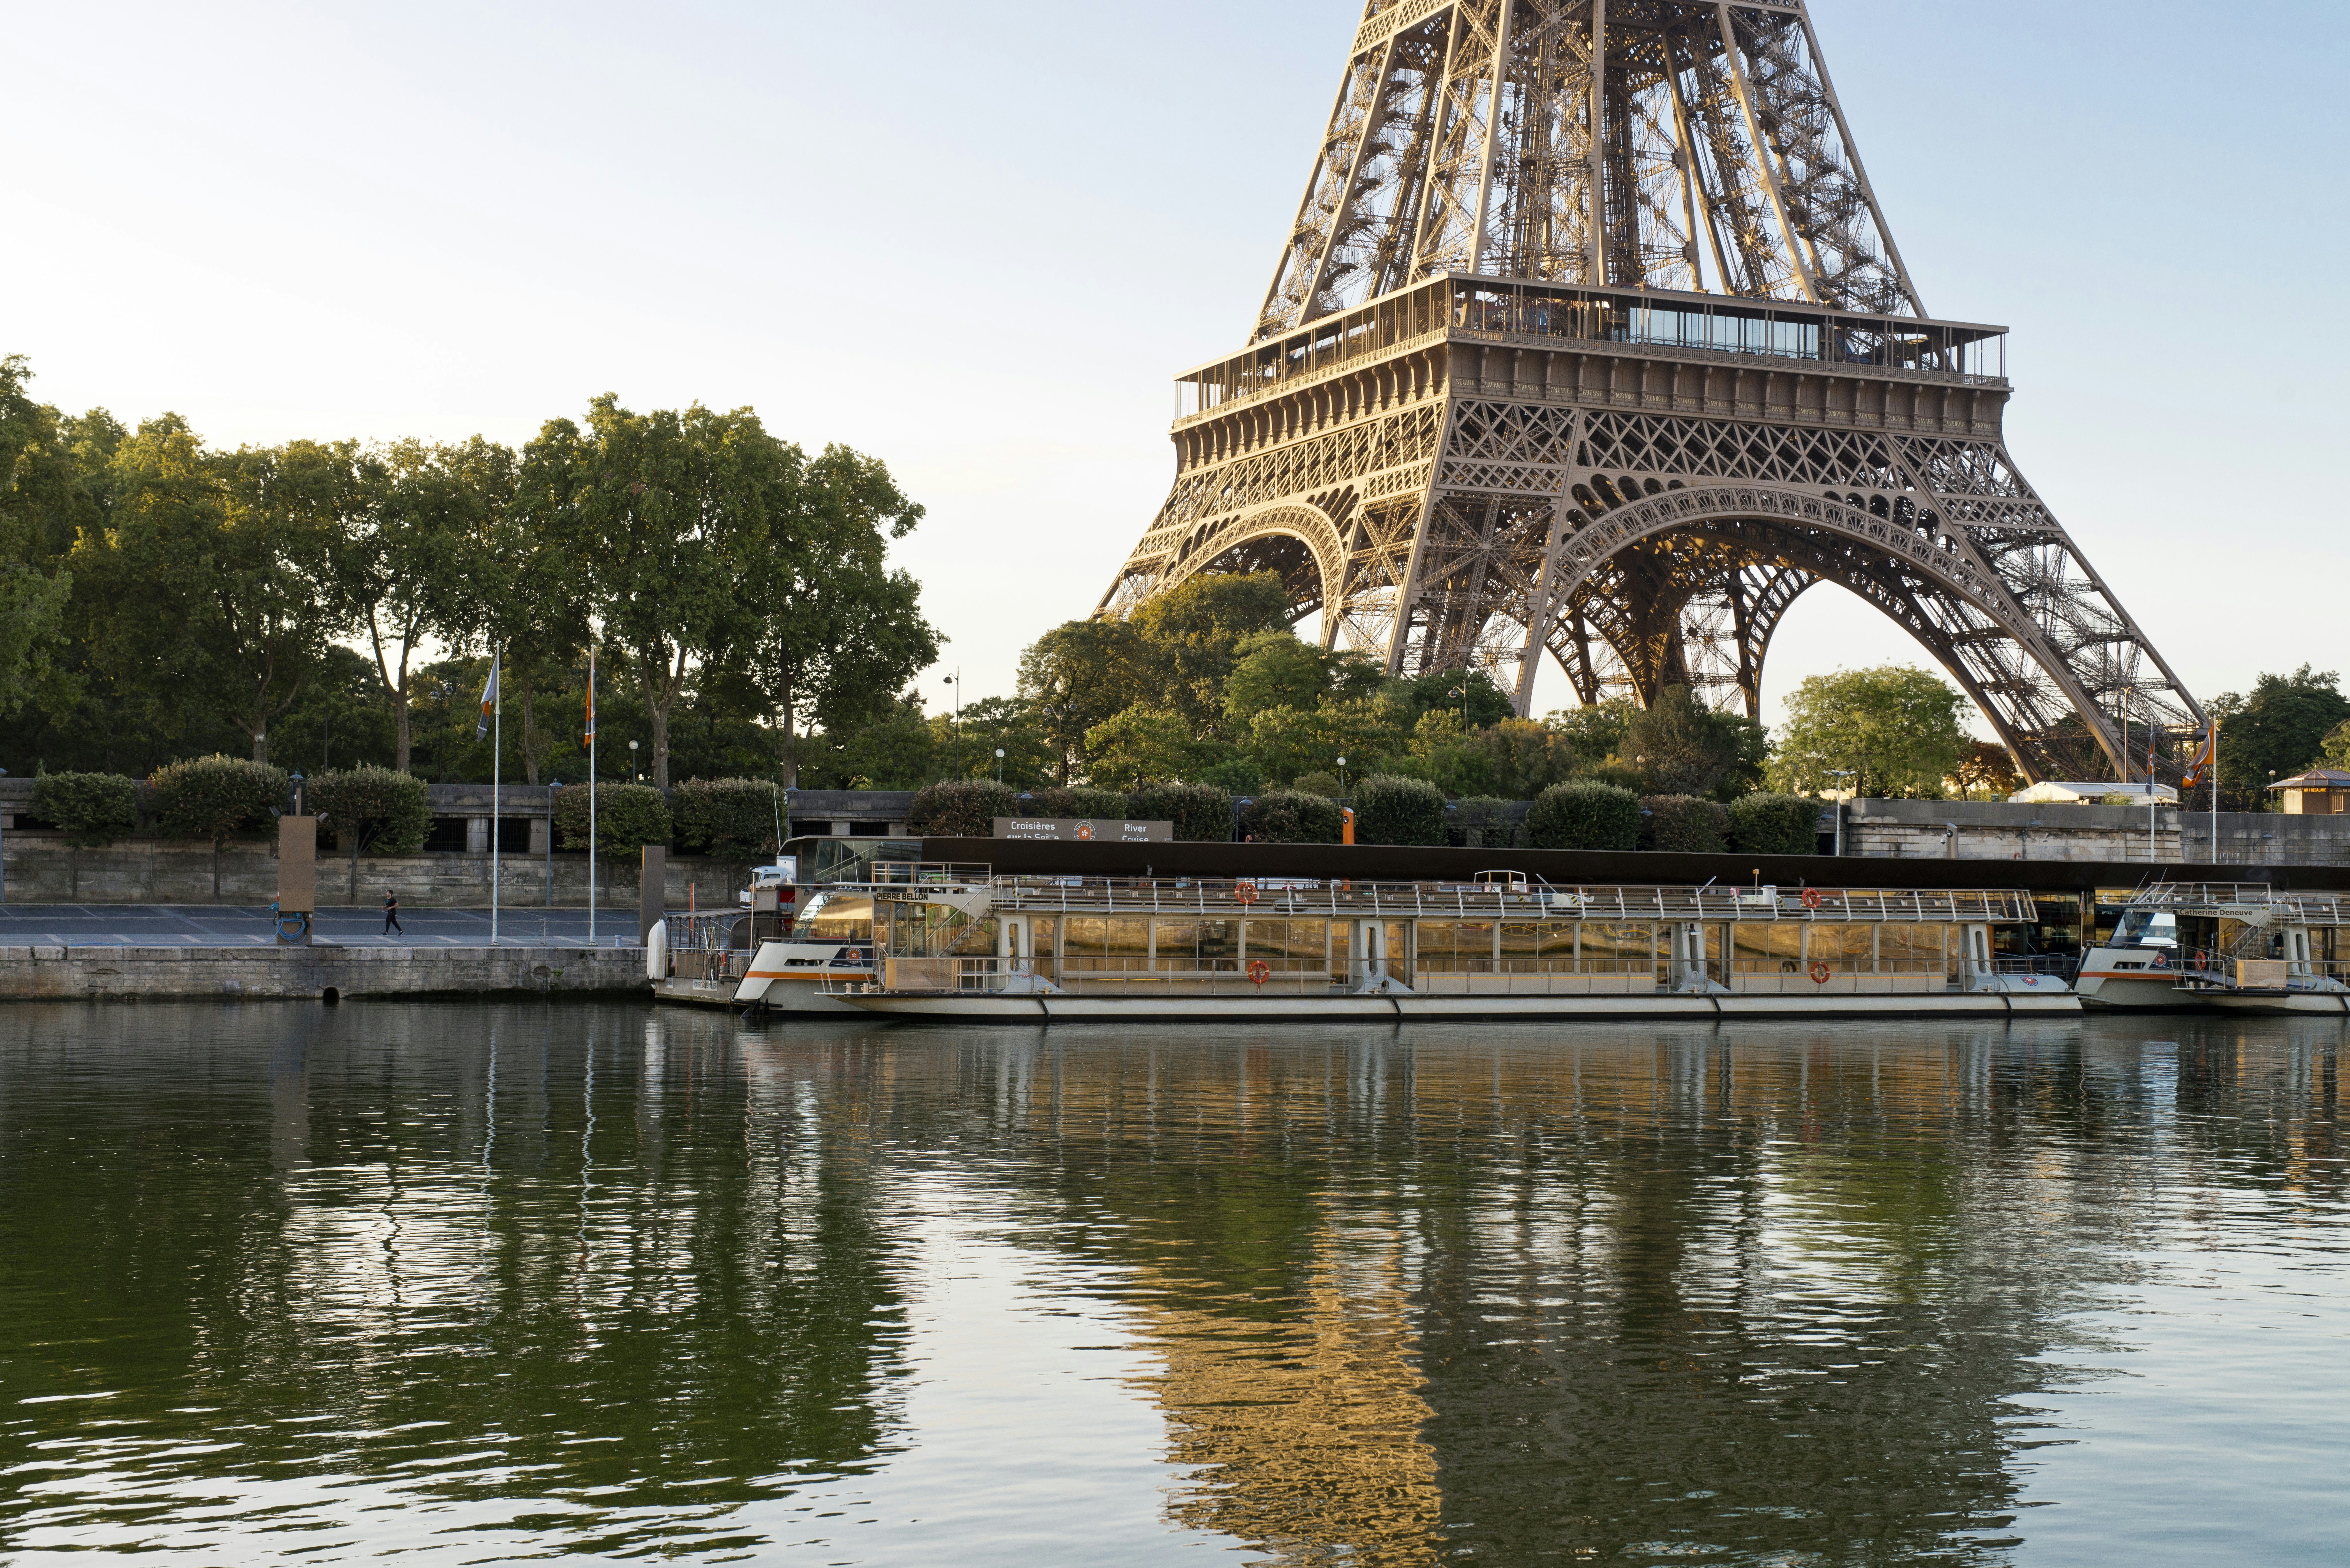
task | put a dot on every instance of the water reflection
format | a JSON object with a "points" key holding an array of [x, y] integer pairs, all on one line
{"points": [[475, 1282]]}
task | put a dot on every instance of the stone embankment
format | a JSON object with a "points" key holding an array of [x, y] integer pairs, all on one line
{"points": [[179, 972]]}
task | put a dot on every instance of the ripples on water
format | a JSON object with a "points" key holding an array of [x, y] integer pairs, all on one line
{"points": [[463, 1283]]}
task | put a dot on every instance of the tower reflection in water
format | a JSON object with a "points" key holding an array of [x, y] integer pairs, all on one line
{"points": [[598, 1278]]}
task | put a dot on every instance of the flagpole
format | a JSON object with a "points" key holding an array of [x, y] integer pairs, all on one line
{"points": [[497, 761], [591, 793]]}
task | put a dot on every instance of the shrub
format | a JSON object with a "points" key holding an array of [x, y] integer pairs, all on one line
{"points": [[1290, 816], [1584, 813], [1684, 824], [732, 818], [216, 798], [1235, 775], [1073, 799], [1486, 822], [962, 808], [627, 817], [92, 808], [1763, 823], [1317, 784], [1390, 809], [1202, 814], [375, 808]]}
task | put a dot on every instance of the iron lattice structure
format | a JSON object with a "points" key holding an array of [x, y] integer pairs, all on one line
{"points": [[1590, 338]]}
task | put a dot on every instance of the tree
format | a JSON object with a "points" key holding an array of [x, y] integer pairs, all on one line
{"points": [[1584, 813], [1682, 747], [35, 507], [2280, 726], [1437, 690], [1763, 824], [734, 818], [837, 633], [1392, 810], [406, 556], [1273, 669], [1896, 729], [1596, 731], [1985, 765], [207, 582], [1010, 723], [1080, 675], [1194, 632], [669, 516], [1143, 745], [368, 808], [216, 798]]}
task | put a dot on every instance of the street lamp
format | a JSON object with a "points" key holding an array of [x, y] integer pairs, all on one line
{"points": [[1342, 777], [1240, 805], [632, 762], [1461, 692], [955, 681], [554, 788], [1839, 774], [999, 764]]}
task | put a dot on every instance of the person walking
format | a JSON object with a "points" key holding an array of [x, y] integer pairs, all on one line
{"points": [[391, 915]]}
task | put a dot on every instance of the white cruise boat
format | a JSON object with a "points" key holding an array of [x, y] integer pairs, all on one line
{"points": [[2234, 946], [1026, 949]]}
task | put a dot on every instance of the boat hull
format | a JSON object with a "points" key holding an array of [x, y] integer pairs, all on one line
{"points": [[2322, 1003], [942, 1008]]}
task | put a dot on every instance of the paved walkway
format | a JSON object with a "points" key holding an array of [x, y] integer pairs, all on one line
{"points": [[228, 926]]}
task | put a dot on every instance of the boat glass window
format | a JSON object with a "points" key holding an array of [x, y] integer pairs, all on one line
{"points": [[1915, 949], [1846, 950], [2146, 928], [1618, 950]]}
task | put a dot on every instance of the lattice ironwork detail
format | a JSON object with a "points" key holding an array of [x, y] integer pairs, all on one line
{"points": [[1689, 152]]}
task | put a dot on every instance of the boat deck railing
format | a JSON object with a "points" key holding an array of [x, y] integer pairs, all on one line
{"points": [[1312, 897], [1011, 976], [2290, 906]]}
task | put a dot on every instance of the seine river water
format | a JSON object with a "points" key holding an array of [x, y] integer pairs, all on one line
{"points": [[459, 1283]]}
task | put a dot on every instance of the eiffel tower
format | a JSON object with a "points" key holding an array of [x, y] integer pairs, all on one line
{"points": [[1590, 338]]}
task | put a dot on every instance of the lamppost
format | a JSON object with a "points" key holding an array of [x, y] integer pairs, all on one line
{"points": [[1839, 774], [632, 762], [999, 764], [1240, 805], [554, 788], [1461, 692], [1342, 778], [955, 680]]}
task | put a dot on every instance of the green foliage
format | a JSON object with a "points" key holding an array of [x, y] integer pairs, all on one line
{"points": [[2280, 726], [386, 811], [1594, 732], [962, 808], [1317, 784], [1520, 758], [1684, 824], [1236, 776], [1143, 745], [1485, 821], [1895, 729], [1446, 691], [92, 808], [1390, 809], [1682, 747], [1194, 633], [216, 798], [1763, 824], [2334, 752], [627, 817], [730, 818], [1585, 813], [1290, 816], [1079, 800], [1200, 812], [1082, 674]]}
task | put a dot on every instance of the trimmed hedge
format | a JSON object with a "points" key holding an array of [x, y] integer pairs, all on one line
{"points": [[1485, 821], [1774, 825], [1317, 784], [627, 817], [216, 798], [964, 808], [730, 817], [1290, 816], [92, 808], [1584, 813], [1393, 810], [1202, 814], [1684, 824], [1073, 800], [384, 811]]}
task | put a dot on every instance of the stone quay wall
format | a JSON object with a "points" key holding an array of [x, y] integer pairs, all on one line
{"points": [[42, 868], [133, 974], [1983, 830]]}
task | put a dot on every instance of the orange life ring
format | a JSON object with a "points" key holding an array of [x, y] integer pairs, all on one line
{"points": [[1259, 971], [1243, 892], [1820, 972], [1811, 899]]}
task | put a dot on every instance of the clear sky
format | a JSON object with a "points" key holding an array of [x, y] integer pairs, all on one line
{"points": [[978, 240]]}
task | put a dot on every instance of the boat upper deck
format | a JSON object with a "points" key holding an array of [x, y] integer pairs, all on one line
{"points": [[1495, 899]]}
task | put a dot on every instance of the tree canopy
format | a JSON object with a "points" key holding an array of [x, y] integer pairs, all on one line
{"points": [[1894, 730]]}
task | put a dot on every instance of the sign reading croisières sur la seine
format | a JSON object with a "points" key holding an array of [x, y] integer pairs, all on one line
{"points": [[1084, 829]]}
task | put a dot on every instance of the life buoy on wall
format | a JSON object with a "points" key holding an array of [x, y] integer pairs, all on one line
{"points": [[1811, 899], [1820, 972], [1243, 892], [1259, 971]]}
